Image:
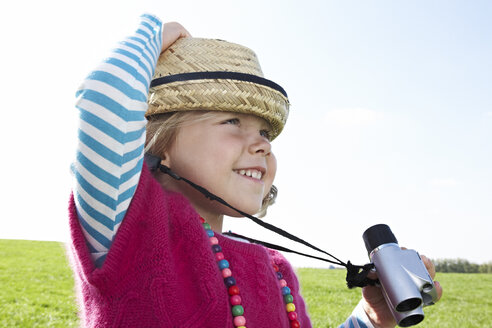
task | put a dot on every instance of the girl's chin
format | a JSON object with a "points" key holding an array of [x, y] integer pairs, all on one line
{"points": [[216, 208], [251, 210]]}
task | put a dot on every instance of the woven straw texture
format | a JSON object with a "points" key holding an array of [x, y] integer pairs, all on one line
{"points": [[207, 55]]}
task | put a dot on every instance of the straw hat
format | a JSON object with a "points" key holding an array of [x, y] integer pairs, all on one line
{"points": [[205, 74]]}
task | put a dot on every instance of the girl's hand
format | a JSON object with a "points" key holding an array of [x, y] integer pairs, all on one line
{"points": [[375, 306], [171, 32]]}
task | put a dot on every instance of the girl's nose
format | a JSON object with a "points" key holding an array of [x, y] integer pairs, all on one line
{"points": [[260, 145]]}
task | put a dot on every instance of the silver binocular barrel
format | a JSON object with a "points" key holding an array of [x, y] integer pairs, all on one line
{"points": [[405, 282]]}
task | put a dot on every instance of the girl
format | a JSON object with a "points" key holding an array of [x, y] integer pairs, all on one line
{"points": [[146, 247]]}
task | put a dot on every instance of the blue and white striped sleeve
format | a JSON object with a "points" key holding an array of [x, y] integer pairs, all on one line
{"points": [[358, 319], [112, 102]]}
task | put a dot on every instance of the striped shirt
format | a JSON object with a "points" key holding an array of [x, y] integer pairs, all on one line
{"points": [[112, 102]]}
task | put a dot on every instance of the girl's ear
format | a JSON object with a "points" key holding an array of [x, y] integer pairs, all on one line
{"points": [[165, 159]]}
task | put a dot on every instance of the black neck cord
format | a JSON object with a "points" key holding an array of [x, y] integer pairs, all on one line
{"points": [[277, 247], [356, 274]]}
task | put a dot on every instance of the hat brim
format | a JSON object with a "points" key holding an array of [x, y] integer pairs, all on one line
{"points": [[221, 95]]}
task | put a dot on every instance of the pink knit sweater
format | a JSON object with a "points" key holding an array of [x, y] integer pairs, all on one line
{"points": [[160, 271]]}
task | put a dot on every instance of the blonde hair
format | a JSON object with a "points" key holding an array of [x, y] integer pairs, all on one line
{"points": [[162, 130]]}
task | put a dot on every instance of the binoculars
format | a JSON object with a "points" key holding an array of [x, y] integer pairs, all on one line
{"points": [[405, 282]]}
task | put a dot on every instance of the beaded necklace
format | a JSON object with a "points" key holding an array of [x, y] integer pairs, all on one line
{"points": [[234, 297]]}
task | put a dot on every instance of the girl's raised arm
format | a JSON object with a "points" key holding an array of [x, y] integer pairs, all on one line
{"points": [[112, 102]]}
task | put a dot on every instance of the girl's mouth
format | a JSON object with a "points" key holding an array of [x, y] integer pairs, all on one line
{"points": [[253, 173]]}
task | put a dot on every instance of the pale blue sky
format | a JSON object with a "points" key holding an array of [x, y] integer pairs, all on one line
{"points": [[391, 117]]}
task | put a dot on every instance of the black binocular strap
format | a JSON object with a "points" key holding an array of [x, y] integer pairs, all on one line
{"points": [[356, 274]]}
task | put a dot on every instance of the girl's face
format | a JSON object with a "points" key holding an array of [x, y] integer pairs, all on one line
{"points": [[230, 155]]}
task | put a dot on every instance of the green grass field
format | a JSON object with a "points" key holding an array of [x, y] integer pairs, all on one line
{"points": [[36, 290]]}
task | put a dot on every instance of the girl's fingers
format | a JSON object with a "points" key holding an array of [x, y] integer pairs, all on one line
{"points": [[372, 275], [171, 32], [438, 289]]}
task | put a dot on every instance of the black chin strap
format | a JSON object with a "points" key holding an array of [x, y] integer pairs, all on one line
{"points": [[356, 274]]}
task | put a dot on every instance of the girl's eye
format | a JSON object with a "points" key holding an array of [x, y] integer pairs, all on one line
{"points": [[265, 134], [234, 121]]}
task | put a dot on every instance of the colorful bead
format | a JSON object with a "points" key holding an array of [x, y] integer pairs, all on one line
{"points": [[226, 272], [295, 324], [290, 307], [288, 299], [292, 315], [224, 264], [233, 290], [239, 321], [237, 310], [216, 248], [236, 300], [230, 281]]}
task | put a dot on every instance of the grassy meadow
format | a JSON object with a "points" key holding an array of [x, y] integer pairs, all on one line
{"points": [[36, 290]]}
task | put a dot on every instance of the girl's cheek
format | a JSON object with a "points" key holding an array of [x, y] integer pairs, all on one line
{"points": [[272, 166]]}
